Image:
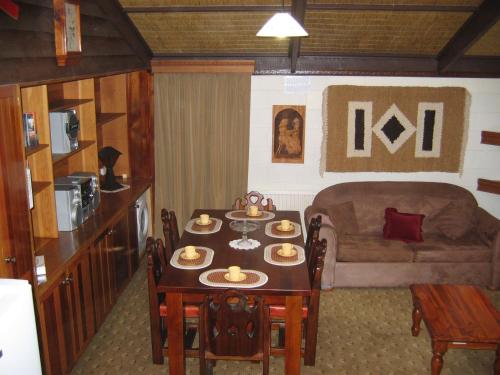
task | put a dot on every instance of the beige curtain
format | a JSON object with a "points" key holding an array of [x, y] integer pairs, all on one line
{"points": [[201, 141]]}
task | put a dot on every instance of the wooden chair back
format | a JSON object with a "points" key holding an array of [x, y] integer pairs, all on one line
{"points": [[312, 234], [170, 232], [155, 267], [256, 199], [318, 251], [232, 327]]}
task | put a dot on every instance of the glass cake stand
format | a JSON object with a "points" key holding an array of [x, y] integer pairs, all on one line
{"points": [[243, 226]]}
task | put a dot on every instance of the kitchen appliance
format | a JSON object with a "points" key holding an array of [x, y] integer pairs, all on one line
{"points": [[142, 220], [73, 201], [95, 192], [19, 353], [64, 127]]}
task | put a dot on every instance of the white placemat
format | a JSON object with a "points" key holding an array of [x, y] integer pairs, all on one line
{"points": [[253, 244], [262, 279], [238, 215], [174, 261], [295, 233], [189, 226], [301, 257]]}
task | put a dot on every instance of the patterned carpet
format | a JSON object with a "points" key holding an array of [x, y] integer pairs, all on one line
{"points": [[362, 331]]}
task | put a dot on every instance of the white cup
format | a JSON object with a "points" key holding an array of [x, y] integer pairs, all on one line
{"points": [[204, 219], [286, 248], [285, 224], [253, 210], [234, 273], [190, 251]]}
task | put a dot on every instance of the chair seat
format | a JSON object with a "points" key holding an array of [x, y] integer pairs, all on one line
{"points": [[279, 311], [190, 311]]}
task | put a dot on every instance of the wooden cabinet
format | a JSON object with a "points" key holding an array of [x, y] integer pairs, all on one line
{"points": [[66, 313], [103, 285], [16, 257], [114, 262], [89, 267]]}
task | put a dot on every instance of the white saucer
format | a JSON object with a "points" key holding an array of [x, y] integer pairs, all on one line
{"points": [[281, 253], [280, 228], [242, 277], [198, 222], [185, 257]]}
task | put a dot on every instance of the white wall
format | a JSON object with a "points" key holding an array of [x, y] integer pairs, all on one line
{"points": [[264, 176]]}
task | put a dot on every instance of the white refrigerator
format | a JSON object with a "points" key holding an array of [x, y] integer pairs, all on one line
{"points": [[18, 338]]}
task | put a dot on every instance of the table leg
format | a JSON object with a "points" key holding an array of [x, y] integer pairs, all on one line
{"points": [[293, 337], [176, 361], [497, 362], [439, 348], [417, 318]]}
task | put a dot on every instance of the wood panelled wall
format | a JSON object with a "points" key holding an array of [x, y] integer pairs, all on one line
{"points": [[110, 43]]}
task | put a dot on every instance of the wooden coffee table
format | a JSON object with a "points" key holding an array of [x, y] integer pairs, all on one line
{"points": [[456, 316]]}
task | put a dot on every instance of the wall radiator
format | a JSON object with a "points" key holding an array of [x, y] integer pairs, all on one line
{"points": [[296, 201]]}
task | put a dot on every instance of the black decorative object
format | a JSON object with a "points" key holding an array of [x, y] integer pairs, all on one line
{"points": [[108, 156]]}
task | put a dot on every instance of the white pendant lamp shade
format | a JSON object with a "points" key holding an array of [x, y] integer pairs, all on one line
{"points": [[282, 25]]}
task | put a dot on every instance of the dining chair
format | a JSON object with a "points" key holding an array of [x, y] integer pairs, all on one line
{"points": [[158, 311], [254, 198], [170, 232], [310, 309], [312, 234], [233, 327]]}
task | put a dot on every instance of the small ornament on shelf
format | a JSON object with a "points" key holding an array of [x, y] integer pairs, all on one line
{"points": [[29, 125]]}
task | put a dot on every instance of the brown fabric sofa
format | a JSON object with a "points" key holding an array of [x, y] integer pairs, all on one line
{"points": [[461, 241]]}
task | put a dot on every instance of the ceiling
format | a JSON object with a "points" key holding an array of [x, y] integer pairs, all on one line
{"points": [[387, 37]]}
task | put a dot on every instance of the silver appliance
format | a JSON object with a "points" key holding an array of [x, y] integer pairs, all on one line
{"points": [[142, 220], [64, 127], [68, 207], [95, 191]]}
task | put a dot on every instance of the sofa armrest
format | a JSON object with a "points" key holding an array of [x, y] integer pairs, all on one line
{"points": [[488, 229], [311, 211], [328, 232]]}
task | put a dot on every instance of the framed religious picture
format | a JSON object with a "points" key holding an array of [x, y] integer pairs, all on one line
{"points": [[289, 122], [67, 32]]}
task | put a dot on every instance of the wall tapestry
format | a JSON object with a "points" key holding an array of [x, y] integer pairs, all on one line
{"points": [[289, 123], [394, 129]]}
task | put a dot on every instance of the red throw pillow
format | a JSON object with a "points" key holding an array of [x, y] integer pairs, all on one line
{"points": [[403, 226]]}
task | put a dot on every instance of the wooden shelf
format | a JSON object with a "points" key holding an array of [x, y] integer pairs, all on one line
{"points": [[41, 243], [490, 138], [39, 186], [489, 186], [33, 150], [57, 158], [66, 103], [104, 118]]}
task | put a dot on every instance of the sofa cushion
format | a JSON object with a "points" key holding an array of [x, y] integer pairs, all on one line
{"points": [[372, 248], [343, 218], [439, 248], [370, 209], [455, 219], [402, 226]]}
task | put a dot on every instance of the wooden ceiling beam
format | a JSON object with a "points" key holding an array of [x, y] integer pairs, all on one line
{"points": [[276, 8], [206, 9], [409, 66], [393, 7], [298, 12], [476, 26], [357, 64]]}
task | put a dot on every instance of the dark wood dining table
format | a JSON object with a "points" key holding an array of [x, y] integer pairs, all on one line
{"points": [[286, 285]]}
